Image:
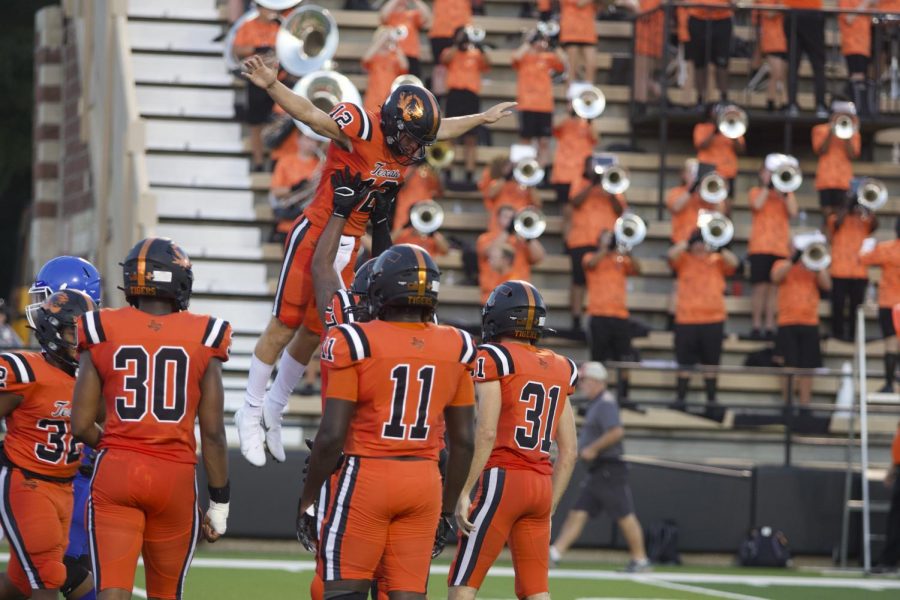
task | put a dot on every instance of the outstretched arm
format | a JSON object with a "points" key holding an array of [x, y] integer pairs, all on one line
{"points": [[456, 126]]}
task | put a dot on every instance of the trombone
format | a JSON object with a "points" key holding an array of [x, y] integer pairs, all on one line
{"points": [[844, 127], [713, 188], [529, 223], [307, 40], [630, 230], [439, 155], [717, 229], [426, 217], [731, 121], [528, 172]]}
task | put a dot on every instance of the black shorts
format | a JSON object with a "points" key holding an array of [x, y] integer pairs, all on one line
{"points": [[857, 63], [781, 55], [886, 320], [415, 66], [761, 267], [438, 45], [698, 343], [577, 255], [832, 197], [798, 346], [259, 105], [577, 44], [535, 124], [461, 103], [606, 489], [611, 339], [718, 48], [562, 192]]}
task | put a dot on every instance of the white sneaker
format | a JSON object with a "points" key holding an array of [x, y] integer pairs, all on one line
{"points": [[271, 422], [250, 431]]}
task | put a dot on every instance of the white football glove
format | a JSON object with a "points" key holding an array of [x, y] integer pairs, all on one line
{"points": [[218, 516]]}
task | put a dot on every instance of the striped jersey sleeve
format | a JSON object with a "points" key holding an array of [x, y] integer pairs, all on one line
{"points": [[353, 120], [573, 374], [492, 362], [90, 330], [15, 372], [345, 345], [217, 337]]}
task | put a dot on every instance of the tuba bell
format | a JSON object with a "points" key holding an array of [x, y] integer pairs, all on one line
{"points": [[325, 89], [530, 223], [307, 40], [843, 127], [869, 192], [731, 121], [528, 172], [406, 79], [439, 155], [426, 217], [588, 102], [615, 180], [713, 188], [815, 256], [717, 229], [630, 230], [786, 175]]}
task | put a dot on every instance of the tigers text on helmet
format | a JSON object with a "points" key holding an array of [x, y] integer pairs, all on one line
{"points": [[53, 318], [158, 268], [516, 309], [404, 275], [410, 120]]}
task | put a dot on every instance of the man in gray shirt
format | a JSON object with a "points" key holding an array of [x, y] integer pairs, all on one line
{"points": [[606, 486]]}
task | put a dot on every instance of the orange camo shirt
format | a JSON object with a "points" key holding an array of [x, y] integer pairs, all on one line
{"points": [[133, 353], [410, 45], [887, 256], [719, 9], [845, 245], [534, 82], [720, 151], [382, 68], [575, 140], [488, 278], [532, 380], [682, 16], [290, 144], [38, 431], [368, 156], [798, 296], [448, 15], [771, 28], [256, 33], [770, 232], [421, 184], [293, 169], [408, 235], [577, 24], [369, 363], [701, 288], [684, 222], [593, 215], [465, 68], [607, 286], [510, 194], [803, 4], [856, 37], [834, 170]]}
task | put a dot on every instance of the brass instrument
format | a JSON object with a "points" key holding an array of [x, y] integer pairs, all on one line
{"points": [[399, 33], [406, 79], [426, 217], [717, 229], [548, 29], [732, 121], [844, 127], [630, 230], [475, 34], [869, 192], [439, 155], [325, 89], [530, 223], [528, 172], [307, 40], [588, 102], [816, 256], [785, 172], [713, 188]]}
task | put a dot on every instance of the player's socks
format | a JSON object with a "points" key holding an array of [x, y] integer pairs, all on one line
{"points": [[257, 380], [289, 373], [249, 418]]}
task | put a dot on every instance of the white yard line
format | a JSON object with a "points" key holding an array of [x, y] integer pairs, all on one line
{"points": [[139, 592], [698, 590]]}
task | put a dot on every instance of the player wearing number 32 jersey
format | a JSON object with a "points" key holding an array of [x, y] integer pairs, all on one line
{"points": [[157, 368], [522, 409], [40, 457]]}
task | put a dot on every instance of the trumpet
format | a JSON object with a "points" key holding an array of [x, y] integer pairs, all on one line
{"points": [[475, 35], [844, 127], [717, 229], [439, 155], [869, 192], [815, 256], [630, 230], [731, 121], [713, 188], [528, 172], [399, 33], [786, 175], [325, 89], [589, 102], [306, 40], [406, 79], [426, 217], [529, 223]]}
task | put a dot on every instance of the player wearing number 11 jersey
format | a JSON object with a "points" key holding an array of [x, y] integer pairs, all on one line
{"points": [[522, 408], [157, 368]]}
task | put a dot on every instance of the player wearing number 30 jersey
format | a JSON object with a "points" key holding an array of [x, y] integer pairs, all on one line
{"points": [[522, 409], [157, 368]]}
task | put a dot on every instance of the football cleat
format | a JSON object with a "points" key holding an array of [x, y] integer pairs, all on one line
{"points": [[272, 417], [252, 435]]}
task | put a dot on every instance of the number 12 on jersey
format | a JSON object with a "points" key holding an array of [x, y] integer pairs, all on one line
{"points": [[539, 416]]}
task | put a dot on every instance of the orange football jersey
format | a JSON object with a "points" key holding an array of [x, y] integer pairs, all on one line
{"points": [[341, 310], [38, 434], [151, 367], [402, 376], [534, 384], [369, 156]]}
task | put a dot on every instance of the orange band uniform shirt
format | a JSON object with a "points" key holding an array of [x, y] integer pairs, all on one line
{"points": [[408, 235], [534, 84], [591, 217], [649, 29], [798, 296], [421, 184], [383, 67], [771, 29], [607, 285], [701, 288], [577, 24], [575, 140], [465, 68], [720, 151], [257, 33], [856, 37], [803, 4], [770, 231], [488, 278], [717, 10], [845, 245], [684, 222], [834, 170], [682, 16], [447, 16], [887, 256], [413, 20]]}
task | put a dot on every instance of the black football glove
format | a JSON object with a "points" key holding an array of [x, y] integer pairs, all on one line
{"points": [[349, 190], [384, 204], [444, 529], [306, 531]]}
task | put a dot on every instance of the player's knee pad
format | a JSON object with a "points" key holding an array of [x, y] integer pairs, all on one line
{"points": [[346, 595], [76, 573]]}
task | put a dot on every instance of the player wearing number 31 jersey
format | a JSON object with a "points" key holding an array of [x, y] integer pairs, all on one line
{"points": [[522, 409], [157, 368]]}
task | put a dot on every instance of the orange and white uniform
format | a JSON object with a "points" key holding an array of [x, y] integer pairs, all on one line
{"points": [[514, 494], [401, 376], [39, 461], [144, 492]]}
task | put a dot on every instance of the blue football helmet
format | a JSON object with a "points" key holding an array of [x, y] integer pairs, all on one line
{"points": [[64, 273]]}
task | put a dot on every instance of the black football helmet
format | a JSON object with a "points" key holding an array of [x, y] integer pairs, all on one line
{"points": [[410, 119], [515, 308], [56, 316], [360, 288], [404, 275], [158, 268]]}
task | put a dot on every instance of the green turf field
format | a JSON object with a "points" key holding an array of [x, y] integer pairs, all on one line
{"points": [[266, 575]]}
